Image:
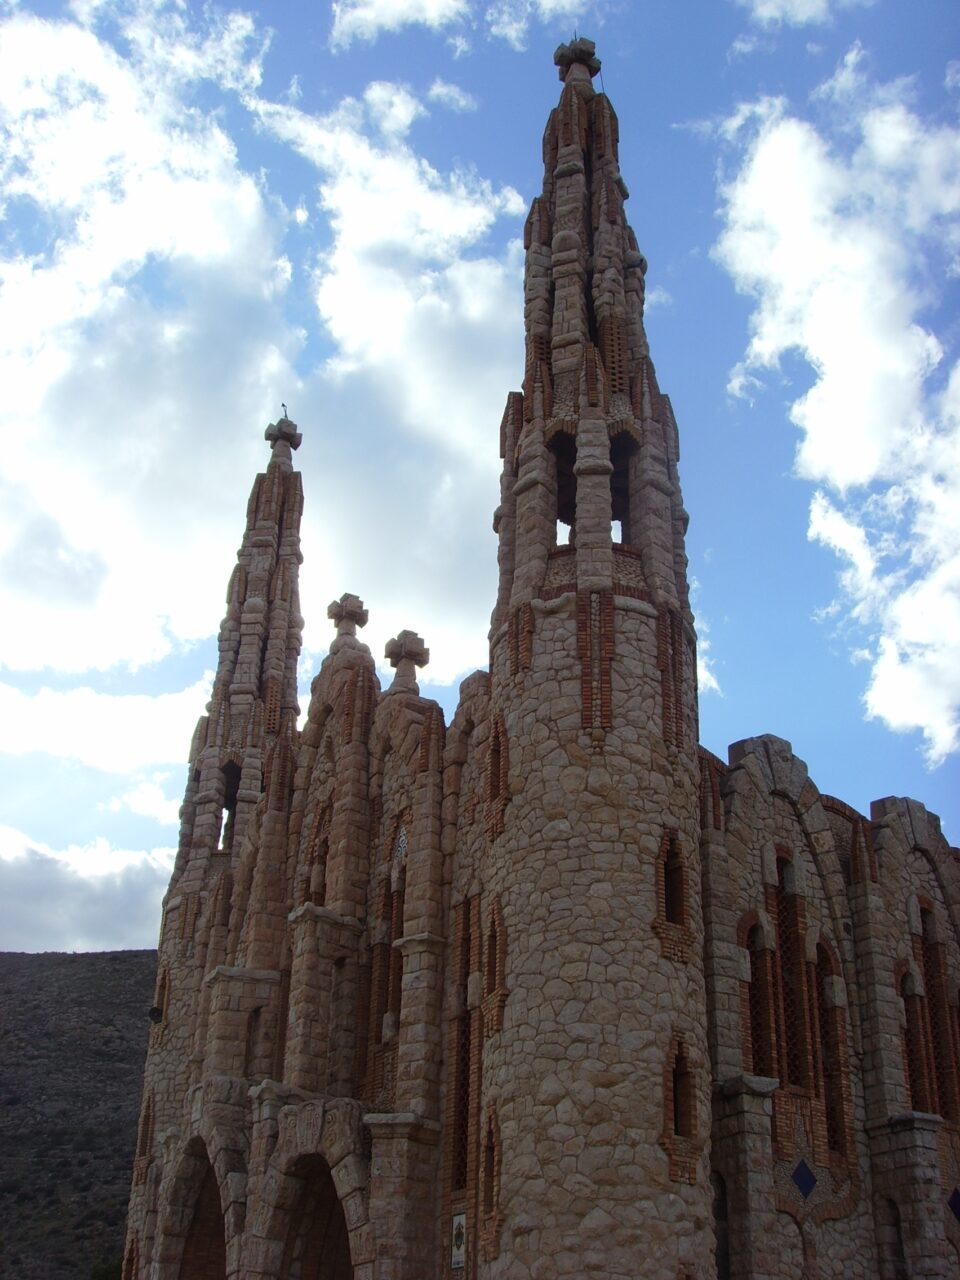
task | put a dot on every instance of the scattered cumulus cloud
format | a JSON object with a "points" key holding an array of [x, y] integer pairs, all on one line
{"points": [[451, 96], [508, 20], [841, 232], [796, 13], [113, 732], [366, 19]]}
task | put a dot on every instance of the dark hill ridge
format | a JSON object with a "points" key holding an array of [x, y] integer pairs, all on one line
{"points": [[73, 1037]]}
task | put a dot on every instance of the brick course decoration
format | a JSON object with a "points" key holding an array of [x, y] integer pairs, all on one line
{"points": [[550, 991]]}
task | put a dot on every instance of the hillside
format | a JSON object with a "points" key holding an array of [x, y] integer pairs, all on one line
{"points": [[73, 1036]]}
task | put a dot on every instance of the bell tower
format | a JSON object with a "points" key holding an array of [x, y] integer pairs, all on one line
{"points": [[600, 1075]]}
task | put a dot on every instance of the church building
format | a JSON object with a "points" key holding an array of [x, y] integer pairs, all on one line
{"points": [[549, 992]]}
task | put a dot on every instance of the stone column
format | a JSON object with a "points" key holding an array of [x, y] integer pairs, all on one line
{"points": [[743, 1155], [403, 1169], [906, 1167]]}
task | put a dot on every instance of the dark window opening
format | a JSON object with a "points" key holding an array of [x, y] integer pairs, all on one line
{"points": [[621, 450], [231, 789], [564, 449], [682, 1096], [673, 903]]}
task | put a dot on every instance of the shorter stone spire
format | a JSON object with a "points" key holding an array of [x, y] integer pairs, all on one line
{"points": [[579, 55], [284, 437], [406, 652], [347, 614]]}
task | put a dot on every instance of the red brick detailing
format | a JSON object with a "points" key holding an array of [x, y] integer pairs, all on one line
{"points": [[145, 1136], [671, 923], [498, 769], [595, 644], [712, 769], [131, 1260], [386, 973], [511, 424], [592, 374], [525, 628], [537, 374], [613, 351], [680, 1137], [432, 738], [491, 1215], [830, 1048], [757, 1013], [312, 883], [494, 969], [789, 914], [359, 700], [670, 666], [161, 1005], [271, 704]]}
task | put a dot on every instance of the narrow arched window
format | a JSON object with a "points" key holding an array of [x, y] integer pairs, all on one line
{"points": [[463, 1054], [682, 1095], [793, 1005], [761, 1014], [231, 790], [564, 449], [674, 906], [622, 448], [831, 1060], [491, 967], [913, 1048], [489, 1168], [494, 764], [941, 1054]]}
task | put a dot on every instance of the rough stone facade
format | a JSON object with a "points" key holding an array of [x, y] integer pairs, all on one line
{"points": [[550, 991]]}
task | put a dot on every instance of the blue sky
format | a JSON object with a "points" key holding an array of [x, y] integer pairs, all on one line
{"points": [[208, 210]]}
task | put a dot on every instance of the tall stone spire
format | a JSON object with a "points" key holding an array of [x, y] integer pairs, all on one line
{"points": [[593, 775], [590, 447], [254, 700]]}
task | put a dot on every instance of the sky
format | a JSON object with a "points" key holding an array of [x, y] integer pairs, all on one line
{"points": [[207, 211]]}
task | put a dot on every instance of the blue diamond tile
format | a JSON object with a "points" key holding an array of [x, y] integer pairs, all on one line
{"points": [[954, 1203], [804, 1178]]}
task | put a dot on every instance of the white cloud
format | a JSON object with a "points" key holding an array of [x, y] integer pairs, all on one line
{"points": [[148, 799], [83, 898], [392, 108], [366, 19], [114, 732], [155, 289], [841, 240], [796, 13], [413, 301], [451, 96], [510, 19]]}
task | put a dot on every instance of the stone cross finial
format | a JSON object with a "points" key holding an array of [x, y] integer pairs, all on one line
{"points": [[581, 52], [283, 430], [347, 614], [406, 652]]}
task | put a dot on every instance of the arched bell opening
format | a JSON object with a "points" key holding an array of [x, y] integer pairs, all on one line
{"points": [[318, 1244], [564, 449], [622, 448]]}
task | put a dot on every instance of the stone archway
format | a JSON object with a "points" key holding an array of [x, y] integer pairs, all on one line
{"points": [[309, 1218], [205, 1248], [318, 1244]]}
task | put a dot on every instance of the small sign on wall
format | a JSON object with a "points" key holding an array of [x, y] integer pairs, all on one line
{"points": [[458, 1242]]}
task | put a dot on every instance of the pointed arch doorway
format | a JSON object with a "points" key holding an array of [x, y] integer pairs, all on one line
{"points": [[204, 1249], [318, 1245]]}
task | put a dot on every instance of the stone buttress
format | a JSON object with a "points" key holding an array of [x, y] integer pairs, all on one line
{"points": [[598, 1080]]}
